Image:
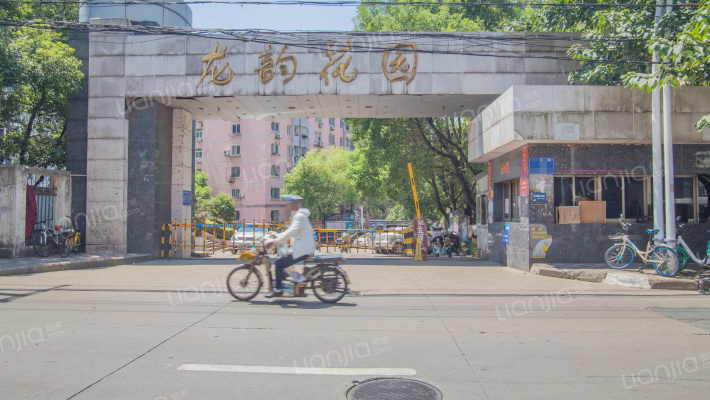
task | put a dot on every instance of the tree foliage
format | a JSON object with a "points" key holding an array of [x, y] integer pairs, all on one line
{"points": [[37, 74], [321, 177], [222, 206], [441, 16]]}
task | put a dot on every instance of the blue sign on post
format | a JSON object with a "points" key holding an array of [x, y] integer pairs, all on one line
{"points": [[506, 234], [539, 197], [186, 198]]}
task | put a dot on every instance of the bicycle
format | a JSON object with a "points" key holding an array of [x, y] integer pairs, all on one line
{"points": [[46, 239], [621, 255], [685, 253], [328, 281], [72, 241]]}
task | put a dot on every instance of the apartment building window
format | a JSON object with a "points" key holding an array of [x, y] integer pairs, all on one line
{"points": [[319, 121], [275, 170], [235, 172], [289, 169], [304, 151], [275, 127], [198, 153], [342, 123], [347, 125], [289, 130], [236, 150], [275, 193], [290, 151], [331, 121], [331, 139], [275, 215], [237, 129], [235, 194], [198, 135], [236, 215], [275, 148], [341, 142]]}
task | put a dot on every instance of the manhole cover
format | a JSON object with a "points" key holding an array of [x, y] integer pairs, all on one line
{"points": [[393, 389]]}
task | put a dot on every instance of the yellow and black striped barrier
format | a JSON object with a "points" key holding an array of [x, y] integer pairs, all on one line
{"points": [[166, 241], [408, 242]]}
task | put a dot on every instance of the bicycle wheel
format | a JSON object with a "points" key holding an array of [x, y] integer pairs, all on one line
{"points": [[665, 261], [619, 256], [42, 243], [244, 282], [330, 286], [67, 246], [683, 256]]}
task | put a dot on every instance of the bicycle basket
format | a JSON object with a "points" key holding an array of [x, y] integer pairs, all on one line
{"points": [[617, 236], [247, 256]]}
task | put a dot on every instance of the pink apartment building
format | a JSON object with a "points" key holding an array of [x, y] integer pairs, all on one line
{"points": [[248, 160]]}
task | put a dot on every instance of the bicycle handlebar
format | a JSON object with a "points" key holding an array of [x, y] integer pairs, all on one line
{"points": [[624, 225]]}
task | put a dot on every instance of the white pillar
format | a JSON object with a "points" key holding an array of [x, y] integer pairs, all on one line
{"points": [[181, 177], [668, 153], [657, 146]]}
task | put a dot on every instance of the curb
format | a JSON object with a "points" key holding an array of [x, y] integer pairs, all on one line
{"points": [[97, 261], [622, 279]]}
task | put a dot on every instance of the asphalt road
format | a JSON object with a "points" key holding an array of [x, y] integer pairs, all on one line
{"points": [[169, 330]]}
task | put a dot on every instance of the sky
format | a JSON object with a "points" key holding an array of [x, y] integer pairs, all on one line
{"points": [[274, 17]]}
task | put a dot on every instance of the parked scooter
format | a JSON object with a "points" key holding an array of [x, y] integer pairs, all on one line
{"points": [[449, 246]]}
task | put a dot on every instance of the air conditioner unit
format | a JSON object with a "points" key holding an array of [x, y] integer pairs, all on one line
{"points": [[305, 135], [230, 179], [198, 159], [226, 152], [320, 124], [332, 127], [278, 136], [241, 195], [199, 139]]}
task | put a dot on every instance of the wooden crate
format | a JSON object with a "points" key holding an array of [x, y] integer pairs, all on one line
{"points": [[592, 212], [568, 215]]}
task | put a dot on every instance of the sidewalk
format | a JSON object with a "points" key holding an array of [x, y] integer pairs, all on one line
{"points": [[31, 265], [693, 277]]}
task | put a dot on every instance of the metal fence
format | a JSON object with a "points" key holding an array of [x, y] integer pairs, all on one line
{"points": [[45, 197], [209, 238]]}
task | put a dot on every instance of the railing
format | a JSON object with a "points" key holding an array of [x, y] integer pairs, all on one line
{"points": [[206, 239]]}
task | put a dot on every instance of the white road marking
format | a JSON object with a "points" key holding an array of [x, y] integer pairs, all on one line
{"points": [[264, 369]]}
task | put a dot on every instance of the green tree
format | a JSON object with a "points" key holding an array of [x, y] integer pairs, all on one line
{"points": [[321, 178], [203, 193], [222, 206], [687, 56], [37, 73]]}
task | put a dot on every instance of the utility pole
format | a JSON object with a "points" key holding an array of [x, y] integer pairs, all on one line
{"points": [[668, 153], [657, 141]]}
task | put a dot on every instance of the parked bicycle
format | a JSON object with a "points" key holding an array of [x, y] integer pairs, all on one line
{"points": [[621, 255], [685, 253], [328, 281], [46, 239]]}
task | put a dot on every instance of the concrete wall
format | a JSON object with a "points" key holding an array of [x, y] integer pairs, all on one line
{"points": [[580, 114], [13, 201]]}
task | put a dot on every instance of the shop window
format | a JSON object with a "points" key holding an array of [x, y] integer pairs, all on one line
{"points": [[684, 199], [633, 198], [585, 188], [703, 207], [563, 191], [612, 192]]}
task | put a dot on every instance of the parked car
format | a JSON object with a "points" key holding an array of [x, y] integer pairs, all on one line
{"points": [[248, 236]]}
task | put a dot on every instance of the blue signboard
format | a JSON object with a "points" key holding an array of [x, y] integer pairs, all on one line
{"points": [[186, 198], [506, 234], [539, 197], [542, 165]]}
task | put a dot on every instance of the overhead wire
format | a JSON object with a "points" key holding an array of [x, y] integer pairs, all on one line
{"points": [[353, 3]]}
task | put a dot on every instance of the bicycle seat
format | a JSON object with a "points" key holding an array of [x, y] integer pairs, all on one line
{"points": [[652, 231], [329, 258]]}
